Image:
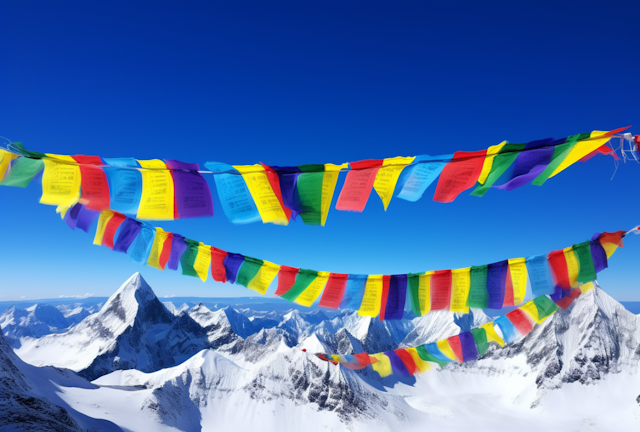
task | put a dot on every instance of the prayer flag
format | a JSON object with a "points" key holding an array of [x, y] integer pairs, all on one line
{"points": [[105, 217], [598, 254], [304, 279], [370, 305], [156, 202], [357, 186], [234, 194], [218, 272], [492, 336], [461, 282], [387, 177], [111, 228], [127, 233], [611, 241], [382, 365], [587, 271], [434, 350], [478, 295], [22, 172], [232, 263], [456, 347], [407, 360], [312, 292], [286, 279], [421, 365], [480, 338], [496, 281], [519, 319], [518, 272], [309, 188], [94, 184], [396, 297], [157, 248], [334, 291], [125, 185], [60, 181], [459, 175], [468, 345], [429, 357], [416, 178], [141, 247], [263, 195], [573, 266], [274, 181], [249, 269], [509, 332], [265, 276], [188, 258], [191, 191], [329, 181], [539, 275], [397, 365], [507, 154], [354, 292], [178, 247], [440, 290], [202, 262]]}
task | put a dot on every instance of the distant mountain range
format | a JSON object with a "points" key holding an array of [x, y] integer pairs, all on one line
{"points": [[239, 364]]}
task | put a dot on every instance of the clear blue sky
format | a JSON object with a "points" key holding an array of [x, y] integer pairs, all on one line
{"points": [[296, 82]]}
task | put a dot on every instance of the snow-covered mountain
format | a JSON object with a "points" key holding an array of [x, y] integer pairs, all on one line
{"points": [[133, 330], [36, 321], [29, 398], [245, 369]]}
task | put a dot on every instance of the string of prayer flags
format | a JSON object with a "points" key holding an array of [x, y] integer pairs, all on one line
{"points": [[560, 274], [169, 189]]}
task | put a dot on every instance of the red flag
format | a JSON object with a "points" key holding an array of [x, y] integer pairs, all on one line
{"points": [[460, 174]]}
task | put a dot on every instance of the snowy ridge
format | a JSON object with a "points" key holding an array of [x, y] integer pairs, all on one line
{"points": [[241, 375]]}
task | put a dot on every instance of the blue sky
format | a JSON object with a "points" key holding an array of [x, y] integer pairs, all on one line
{"points": [[289, 83]]}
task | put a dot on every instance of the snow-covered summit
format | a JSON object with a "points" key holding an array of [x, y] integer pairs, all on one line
{"points": [[132, 330]]}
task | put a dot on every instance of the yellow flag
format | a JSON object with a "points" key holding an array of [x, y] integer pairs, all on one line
{"points": [[103, 220], [331, 173], [5, 159], [531, 310], [265, 276], [203, 261], [424, 292], [573, 265], [372, 297], [492, 336], [445, 349], [311, 293], [60, 181], [422, 365], [488, 161], [383, 365], [609, 248], [586, 287], [581, 149], [387, 177], [156, 248], [461, 284], [156, 202], [518, 269], [262, 193]]}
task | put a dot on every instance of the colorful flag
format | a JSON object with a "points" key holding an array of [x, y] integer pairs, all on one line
{"points": [[156, 201], [459, 175], [357, 186]]}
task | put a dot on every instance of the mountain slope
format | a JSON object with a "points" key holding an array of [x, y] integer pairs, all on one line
{"points": [[132, 330], [29, 399]]}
